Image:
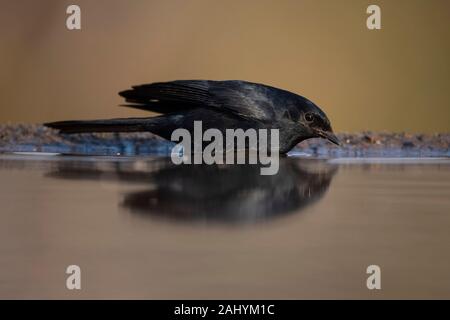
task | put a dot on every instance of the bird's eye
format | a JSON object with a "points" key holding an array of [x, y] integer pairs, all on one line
{"points": [[309, 117]]}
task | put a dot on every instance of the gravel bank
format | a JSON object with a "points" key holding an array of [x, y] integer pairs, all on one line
{"points": [[37, 138]]}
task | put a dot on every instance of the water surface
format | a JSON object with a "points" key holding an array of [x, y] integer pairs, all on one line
{"points": [[144, 228]]}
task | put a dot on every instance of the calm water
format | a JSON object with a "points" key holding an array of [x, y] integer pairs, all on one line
{"points": [[143, 228]]}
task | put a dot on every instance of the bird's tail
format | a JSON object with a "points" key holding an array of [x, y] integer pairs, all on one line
{"points": [[110, 125]]}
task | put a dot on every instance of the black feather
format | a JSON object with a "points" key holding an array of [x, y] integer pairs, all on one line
{"points": [[111, 125], [245, 99], [166, 97]]}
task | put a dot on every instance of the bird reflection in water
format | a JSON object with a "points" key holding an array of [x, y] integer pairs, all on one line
{"points": [[230, 194]]}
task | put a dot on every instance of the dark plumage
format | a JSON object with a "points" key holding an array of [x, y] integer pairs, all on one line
{"points": [[219, 104]]}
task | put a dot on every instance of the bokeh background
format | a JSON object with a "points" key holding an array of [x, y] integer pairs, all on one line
{"points": [[396, 78]]}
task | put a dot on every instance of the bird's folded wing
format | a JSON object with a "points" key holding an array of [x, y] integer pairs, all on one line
{"points": [[241, 98]]}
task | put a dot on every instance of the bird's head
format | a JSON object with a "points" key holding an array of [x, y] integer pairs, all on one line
{"points": [[315, 122]]}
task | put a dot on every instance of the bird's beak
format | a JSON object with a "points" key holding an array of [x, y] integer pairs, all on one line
{"points": [[330, 136]]}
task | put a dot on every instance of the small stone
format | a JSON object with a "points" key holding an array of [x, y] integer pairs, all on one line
{"points": [[408, 144], [367, 138]]}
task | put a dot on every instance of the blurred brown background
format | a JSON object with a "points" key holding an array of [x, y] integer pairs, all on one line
{"points": [[396, 78]]}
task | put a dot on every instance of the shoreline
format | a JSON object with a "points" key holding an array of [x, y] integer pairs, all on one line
{"points": [[37, 138]]}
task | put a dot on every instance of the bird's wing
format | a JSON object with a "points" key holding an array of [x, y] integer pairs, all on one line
{"points": [[241, 98]]}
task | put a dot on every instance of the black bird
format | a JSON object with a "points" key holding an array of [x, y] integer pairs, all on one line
{"points": [[222, 105]]}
